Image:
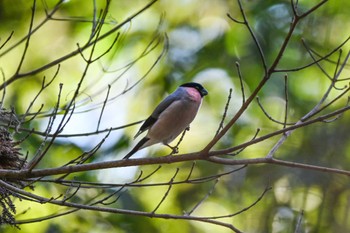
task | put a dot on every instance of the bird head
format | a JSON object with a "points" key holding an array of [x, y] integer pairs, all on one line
{"points": [[202, 91]]}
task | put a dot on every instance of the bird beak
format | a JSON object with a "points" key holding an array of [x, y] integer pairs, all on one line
{"points": [[204, 92]]}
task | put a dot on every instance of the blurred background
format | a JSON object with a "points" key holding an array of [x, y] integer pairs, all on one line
{"points": [[170, 43]]}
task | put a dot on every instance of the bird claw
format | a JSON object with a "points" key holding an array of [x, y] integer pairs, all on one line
{"points": [[174, 149]]}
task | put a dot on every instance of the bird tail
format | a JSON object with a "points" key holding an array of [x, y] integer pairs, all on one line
{"points": [[136, 148], [138, 133]]}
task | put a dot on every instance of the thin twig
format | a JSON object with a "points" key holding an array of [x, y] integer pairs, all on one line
{"points": [[167, 191], [299, 226], [175, 148], [18, 174], [138, 180], [40, 199], [252, 34], [246, 208], [4, 89], [43, 87], [241, 81], [242, 149], [203, 199], [322, 58], [77, 51], [225, 112], [27, 40], [191, 171], [35, 29], [269, 116], [103, 108], [39, 155], [286, 100], [7, 40], [266, 76]]}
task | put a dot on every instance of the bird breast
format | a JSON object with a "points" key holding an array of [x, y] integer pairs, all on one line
{"points": [[175, 119]]}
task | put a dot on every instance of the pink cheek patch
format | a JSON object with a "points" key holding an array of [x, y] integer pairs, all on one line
{"points": [[194, 94]]}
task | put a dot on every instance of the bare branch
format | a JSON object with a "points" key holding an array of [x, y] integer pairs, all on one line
{"points": [[286, 99], [299, 227], [246, 23], [203, 199], [7, 40], [27, 40], [241, 81], [103, 107], [268, 115], [316, 61], [79, 193], [225, 112], [72, 54], [113, 210], [174, 159], [167, 191]]}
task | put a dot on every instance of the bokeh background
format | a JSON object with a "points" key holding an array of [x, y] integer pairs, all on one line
{"points": [[170, 43]]}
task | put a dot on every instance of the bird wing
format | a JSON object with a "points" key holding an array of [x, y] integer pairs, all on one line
{"points": [[154, 116], [146, 125]]}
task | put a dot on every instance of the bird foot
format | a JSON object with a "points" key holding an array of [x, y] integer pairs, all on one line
{"points": [[174, 149]]}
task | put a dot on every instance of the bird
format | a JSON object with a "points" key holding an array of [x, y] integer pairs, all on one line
{"points": [[171, 117]]}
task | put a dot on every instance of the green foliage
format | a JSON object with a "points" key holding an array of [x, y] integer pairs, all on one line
{"points": [[202, 44]]}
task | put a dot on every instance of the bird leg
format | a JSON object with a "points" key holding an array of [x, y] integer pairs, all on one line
{"points": [[174, 149]]}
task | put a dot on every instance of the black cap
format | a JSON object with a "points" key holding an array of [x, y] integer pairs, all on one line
{"points": [[202, 91]]}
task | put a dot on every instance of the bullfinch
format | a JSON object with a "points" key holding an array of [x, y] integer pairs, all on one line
{"points": [[171, 117]]}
